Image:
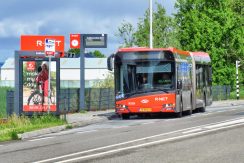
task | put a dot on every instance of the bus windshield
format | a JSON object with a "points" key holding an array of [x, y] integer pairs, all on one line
{"points": [[143, 76]]}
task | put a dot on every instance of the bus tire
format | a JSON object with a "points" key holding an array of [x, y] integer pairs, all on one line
{"points": [[179, 114], [203, 108], [189, 112], [125, 116]]}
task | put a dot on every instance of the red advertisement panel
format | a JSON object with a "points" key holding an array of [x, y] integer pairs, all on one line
{"points": [[37, 43], [35, 86]]}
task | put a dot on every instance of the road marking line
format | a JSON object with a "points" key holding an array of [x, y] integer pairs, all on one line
{"points": [[146, 123], [109, 146], [190, 131], [41, 139], [225, 124], [143, 145], [132, 141], [118, 127], [82, 132]]}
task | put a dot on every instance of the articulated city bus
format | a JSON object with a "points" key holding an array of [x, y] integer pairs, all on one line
{"points": [[160, 80]]}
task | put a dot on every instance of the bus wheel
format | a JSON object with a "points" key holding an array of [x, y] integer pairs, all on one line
{"points": [[189, 112], [125, 116], [179, 114], [203, 109]]}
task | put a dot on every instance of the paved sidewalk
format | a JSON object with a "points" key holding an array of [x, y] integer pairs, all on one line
{"points": [[226, 103], [84, 119], [73, 120]]}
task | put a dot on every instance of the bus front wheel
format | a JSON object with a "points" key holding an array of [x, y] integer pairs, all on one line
{"points": [[179, 114]]}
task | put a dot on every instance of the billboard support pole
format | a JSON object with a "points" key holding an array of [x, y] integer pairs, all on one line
{"points": [[17, 90], [82, 73]]}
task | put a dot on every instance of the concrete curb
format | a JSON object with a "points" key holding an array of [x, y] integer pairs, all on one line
{"points": [[38, 133]]}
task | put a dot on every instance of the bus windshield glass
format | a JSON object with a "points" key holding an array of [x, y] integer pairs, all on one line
{"points": [[136, 77]]}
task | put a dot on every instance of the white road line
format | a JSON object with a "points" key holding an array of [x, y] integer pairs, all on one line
{"points": [[146, 123], [191, 131], [142, 145], [225, 124], [118, 127], [82, 132], [41, 139], [1, 145], [128, 142], [113, 145]]}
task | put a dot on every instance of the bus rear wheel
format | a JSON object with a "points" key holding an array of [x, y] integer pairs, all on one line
{"points": [[189, 112], [203, 108]]}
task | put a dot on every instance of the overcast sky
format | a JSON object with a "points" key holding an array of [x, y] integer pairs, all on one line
{"points": [[63, 17]]}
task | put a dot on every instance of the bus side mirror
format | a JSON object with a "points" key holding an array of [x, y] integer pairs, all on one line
{"points": [[110, 62], [179, 84]]}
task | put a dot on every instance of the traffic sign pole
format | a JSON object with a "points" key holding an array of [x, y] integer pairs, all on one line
{"points": [[49, 84], [49, 50]]}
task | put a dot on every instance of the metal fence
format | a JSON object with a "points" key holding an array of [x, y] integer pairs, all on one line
{"points": [[96, 98], [221, 92]]}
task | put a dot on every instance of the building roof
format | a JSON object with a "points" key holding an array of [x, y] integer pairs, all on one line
{"points": [[69, 63]]}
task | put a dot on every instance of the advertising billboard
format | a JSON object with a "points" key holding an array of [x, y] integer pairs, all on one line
{"points": [[37, 43], [35, 85]]}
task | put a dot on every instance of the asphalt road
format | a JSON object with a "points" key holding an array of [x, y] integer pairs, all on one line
{"points": [[214, 136]]}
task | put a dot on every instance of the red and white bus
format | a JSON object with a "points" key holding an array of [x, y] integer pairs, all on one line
{"points": [[160, 80]]}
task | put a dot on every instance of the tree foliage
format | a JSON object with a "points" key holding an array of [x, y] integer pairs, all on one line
{"points": [[95, 53], [215, 27], [108, 82], [98, 54], [164, 30], [126, 34]]}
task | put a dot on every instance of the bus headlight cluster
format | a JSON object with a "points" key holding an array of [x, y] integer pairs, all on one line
{"points": [[168, 105], [121, 106]]}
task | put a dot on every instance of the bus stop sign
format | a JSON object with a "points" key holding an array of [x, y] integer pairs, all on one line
{"points": [[49, 47]]}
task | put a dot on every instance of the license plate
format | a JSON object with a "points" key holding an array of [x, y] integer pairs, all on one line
{"points": [[145, 109]]}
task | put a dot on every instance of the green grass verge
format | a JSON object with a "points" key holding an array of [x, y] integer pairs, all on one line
{"points": [[3, 93], [233, 95], [18, 125]]}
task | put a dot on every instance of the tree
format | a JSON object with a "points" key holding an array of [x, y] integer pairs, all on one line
{"points": [[125, 33], [98, 54], [164, 30], [108, 82], [95, 53], [212, 26]]}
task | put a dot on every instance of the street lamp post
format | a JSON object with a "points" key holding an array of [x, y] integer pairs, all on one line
{"points": [[151, 17]]}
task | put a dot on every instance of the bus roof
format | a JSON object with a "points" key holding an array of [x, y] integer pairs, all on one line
{"points": [[141, 49], [201, 57]]}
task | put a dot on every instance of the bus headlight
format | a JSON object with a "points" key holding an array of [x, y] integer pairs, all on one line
{"points": [[121, 106], [168, 105]]}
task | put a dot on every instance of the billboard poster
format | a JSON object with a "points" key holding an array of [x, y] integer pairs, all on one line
{"points": [[35, 86]]}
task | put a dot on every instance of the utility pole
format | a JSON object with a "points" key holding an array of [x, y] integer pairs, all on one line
{"points": [[151, 20]]}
